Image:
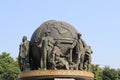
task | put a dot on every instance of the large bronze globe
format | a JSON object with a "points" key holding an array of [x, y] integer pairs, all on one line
{"points": [[59, 31]]}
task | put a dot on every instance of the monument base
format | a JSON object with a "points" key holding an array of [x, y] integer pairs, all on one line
{"points": [[56, 75]]}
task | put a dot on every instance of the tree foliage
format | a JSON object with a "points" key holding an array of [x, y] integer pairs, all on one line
{"points": [[110, 74], [97, 72], [105, 73], [118, 70], [8, 67]]}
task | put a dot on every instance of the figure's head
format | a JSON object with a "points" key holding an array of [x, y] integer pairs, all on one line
{"points": [[79, 35], [47, 32], [88, 49], [24, 38], [57, 43]]}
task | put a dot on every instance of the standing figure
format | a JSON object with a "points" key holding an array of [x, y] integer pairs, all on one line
{"points": [[80, 50], [87, 58], [23, 57], [70, 55], [46, 46], [58, 58]]}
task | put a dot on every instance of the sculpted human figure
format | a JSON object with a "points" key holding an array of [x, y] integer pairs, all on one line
{"points": [[46, 46], [71, 51], [80, 50], [23, 57], [58, 58], [87, 58]]}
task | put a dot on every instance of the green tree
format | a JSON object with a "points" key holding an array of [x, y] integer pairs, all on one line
{"points": [[109, 74], [97, 72], [9, 69], [118, 71]]}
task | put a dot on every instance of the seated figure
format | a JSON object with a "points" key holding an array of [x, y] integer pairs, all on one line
{"points": [[57, 58]]}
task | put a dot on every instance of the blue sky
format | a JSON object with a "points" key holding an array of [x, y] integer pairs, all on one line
{"points": [[97, 20]]}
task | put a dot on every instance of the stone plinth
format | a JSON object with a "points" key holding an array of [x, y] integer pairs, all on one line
{"points": [[56, 75]]}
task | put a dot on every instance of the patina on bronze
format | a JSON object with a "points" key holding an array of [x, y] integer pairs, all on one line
{"points": [[55, 46]]}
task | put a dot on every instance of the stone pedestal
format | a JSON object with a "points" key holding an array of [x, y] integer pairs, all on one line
{"points": [[56, 75]]}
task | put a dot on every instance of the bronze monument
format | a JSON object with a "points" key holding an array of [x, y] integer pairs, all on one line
{"points": [[56, 51]]}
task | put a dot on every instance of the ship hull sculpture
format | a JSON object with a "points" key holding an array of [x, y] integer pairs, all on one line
{"points": [[55, 52]]}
